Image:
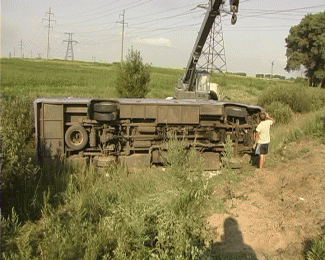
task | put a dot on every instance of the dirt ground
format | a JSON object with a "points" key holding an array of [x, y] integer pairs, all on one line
{"points": [[277, 211]]}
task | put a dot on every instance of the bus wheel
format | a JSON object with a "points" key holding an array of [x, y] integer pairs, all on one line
{"points": [[76, 137]]}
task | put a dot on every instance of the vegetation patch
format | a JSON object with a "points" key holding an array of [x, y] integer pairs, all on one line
{"points": [[153, 214], [56, 211], [299, 99], [282, 113]]}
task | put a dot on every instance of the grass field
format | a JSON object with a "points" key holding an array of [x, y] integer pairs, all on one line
{"points": [[57, 78], [64, 212]]}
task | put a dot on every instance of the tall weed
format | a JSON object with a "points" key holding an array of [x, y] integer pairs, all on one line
{"points": [[152, 214], [19, 172], [311, 126], [282, 113], [228, 173], [16, 126], [23, 180], [299, 98]]}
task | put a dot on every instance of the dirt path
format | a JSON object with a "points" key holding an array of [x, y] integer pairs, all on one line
{"points": [[277, 211]]}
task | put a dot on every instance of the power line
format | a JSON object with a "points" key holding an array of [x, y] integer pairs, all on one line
{"points": [[267, 12], [88, 11], [167, 21], [284, 10], [130, 6]]}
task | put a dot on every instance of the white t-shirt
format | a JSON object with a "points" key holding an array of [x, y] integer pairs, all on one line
{"points": [[264, 129]]}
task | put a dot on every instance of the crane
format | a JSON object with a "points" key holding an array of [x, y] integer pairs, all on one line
{"points": [[194, 85]]}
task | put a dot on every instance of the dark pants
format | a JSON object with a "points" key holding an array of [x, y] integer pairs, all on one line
{"points": [[262, 149]]}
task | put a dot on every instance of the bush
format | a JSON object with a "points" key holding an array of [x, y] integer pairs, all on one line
{"points": [[240, 74], [279, 77], [23, 180], [19, 172], [282, 113], [299, 99], [133, 77], [17, 127]]}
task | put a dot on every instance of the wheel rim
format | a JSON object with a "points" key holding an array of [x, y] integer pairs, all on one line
{"points": [[76, 137]]}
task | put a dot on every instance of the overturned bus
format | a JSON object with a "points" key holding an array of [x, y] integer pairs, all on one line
{"points": [[134, 131]]}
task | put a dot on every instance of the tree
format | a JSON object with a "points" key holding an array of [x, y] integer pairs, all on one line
{"points": [[133, 76], [306, 47]]}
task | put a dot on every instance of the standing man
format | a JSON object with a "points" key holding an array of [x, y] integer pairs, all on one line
{"points": [[262, 137]]}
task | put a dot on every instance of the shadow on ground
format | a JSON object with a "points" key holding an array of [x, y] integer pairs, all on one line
{"points": [[232, 245]]}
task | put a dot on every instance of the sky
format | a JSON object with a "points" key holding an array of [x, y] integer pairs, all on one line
{"points": [[164, 31]]}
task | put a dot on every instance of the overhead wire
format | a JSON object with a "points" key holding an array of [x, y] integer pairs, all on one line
{"points": [[117, 12], [147, 28]]}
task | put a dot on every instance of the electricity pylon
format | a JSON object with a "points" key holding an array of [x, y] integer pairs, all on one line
{"points": [[213, 57], [69, 53], [48, 31]]}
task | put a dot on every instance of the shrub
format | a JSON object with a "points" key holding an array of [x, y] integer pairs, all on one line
{"points": [[23, 181], [240, 74], [299, 99], [18, 169], [17, 126], [279, 77], [133, 76], [282, 113]]}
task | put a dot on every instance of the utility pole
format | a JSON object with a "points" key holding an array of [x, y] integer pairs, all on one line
{"points": [[123, 23], [14, 52], [21, 48], [69, 53], [48, 31], [272, 64]]}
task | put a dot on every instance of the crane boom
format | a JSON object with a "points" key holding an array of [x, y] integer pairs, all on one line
{"points": [[212, 12], [186, 86]]}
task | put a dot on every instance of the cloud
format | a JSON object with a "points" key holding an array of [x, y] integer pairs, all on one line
{"points": [[155, 41]]}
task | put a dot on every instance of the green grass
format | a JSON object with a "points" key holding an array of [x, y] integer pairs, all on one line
{"points": [[153, 214], [55, 211], [246, 89], [302, 126], [41, 78], [59, 78]]}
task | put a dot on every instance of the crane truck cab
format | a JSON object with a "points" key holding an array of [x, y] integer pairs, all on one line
{"points": [[203, 88]]}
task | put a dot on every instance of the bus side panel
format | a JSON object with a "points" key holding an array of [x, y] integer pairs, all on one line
{"points": [[51, 130]]}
